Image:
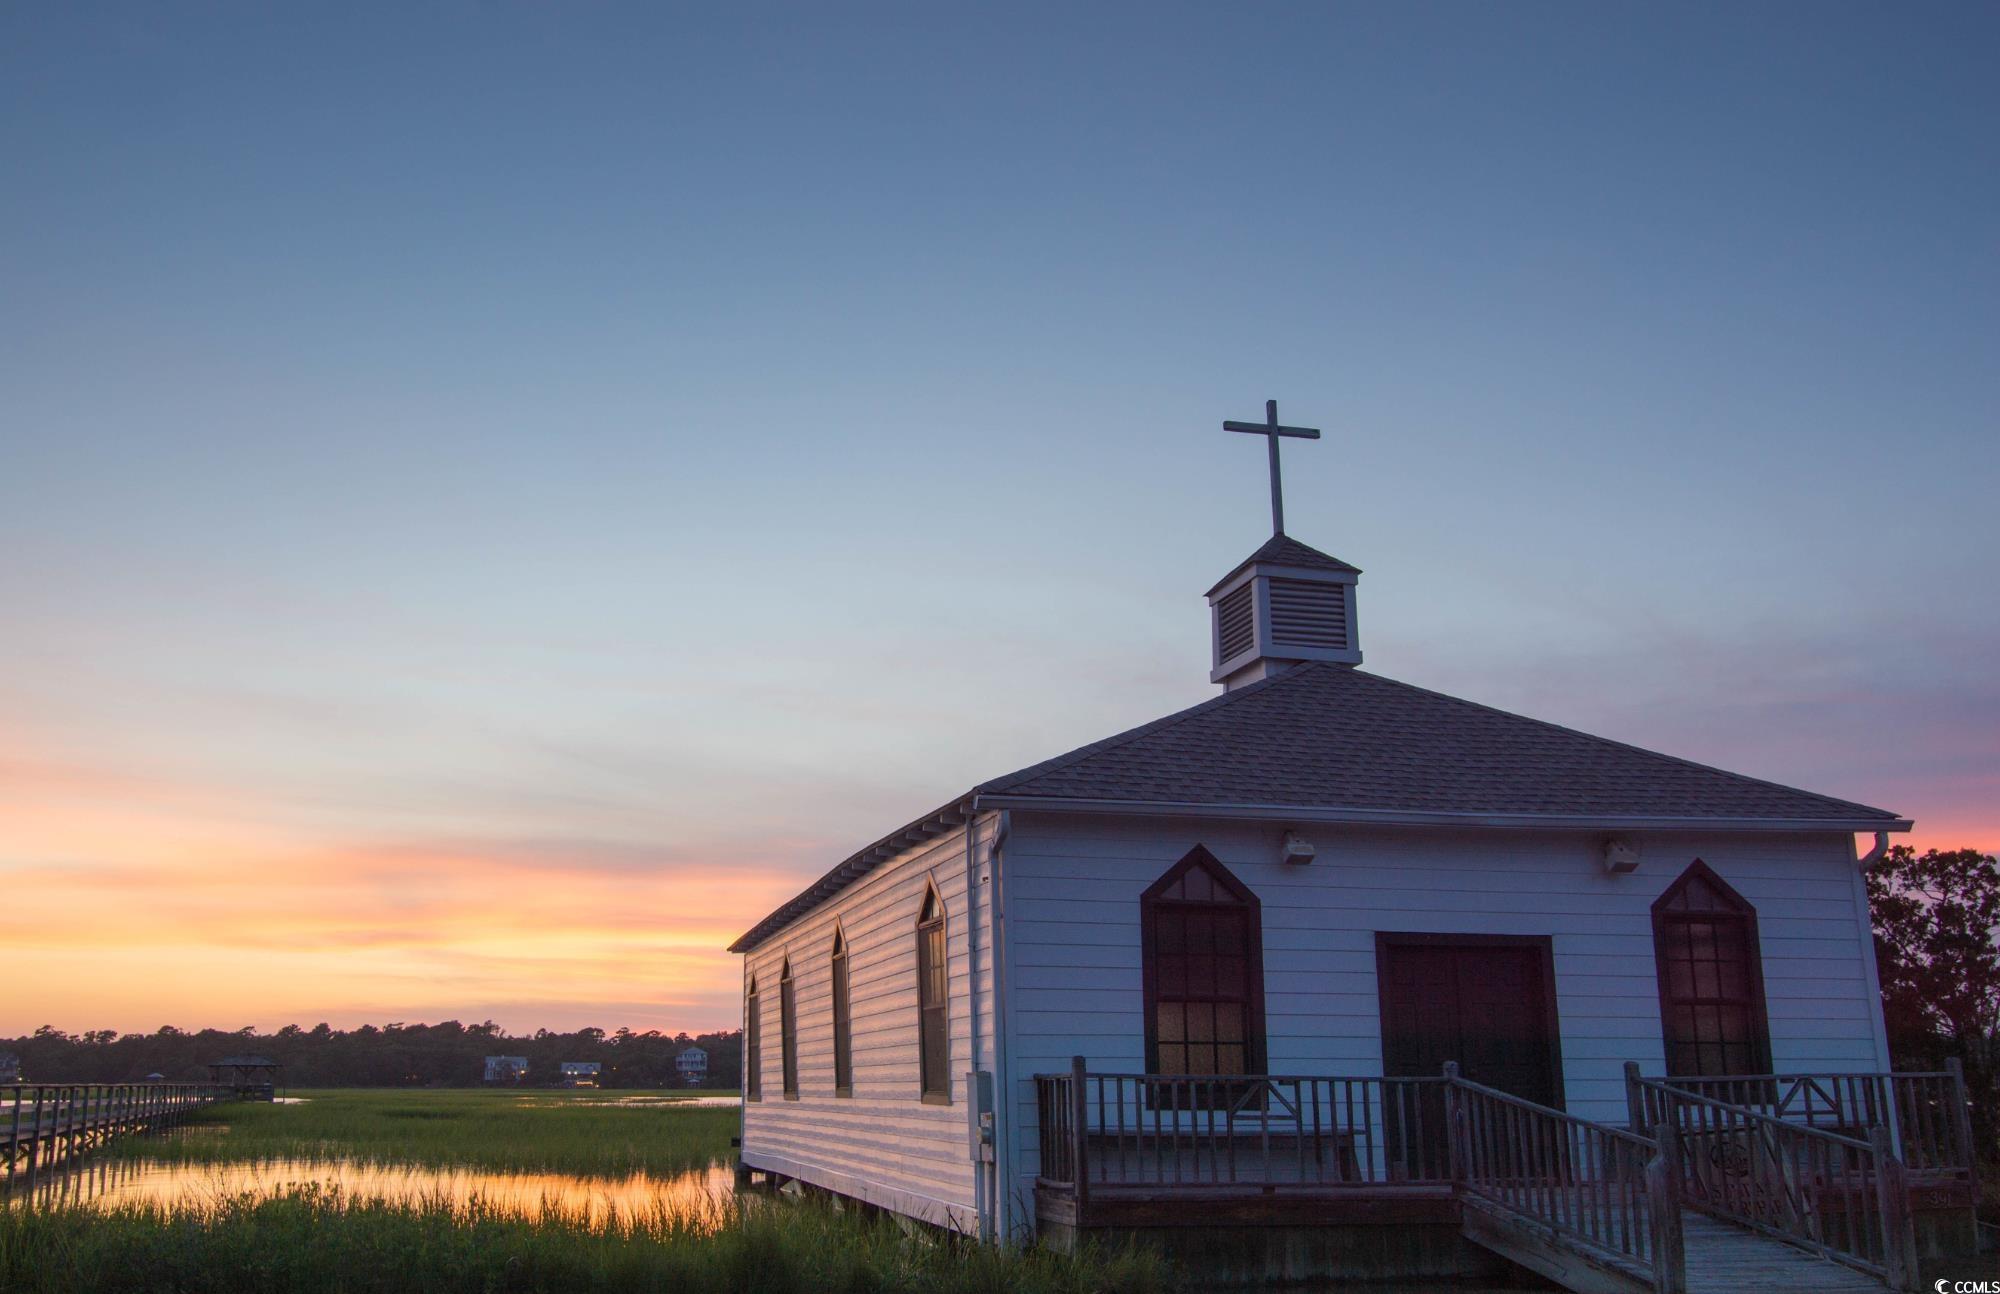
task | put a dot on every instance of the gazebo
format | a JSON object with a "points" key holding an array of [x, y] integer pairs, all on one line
{"points": [[253, 1077]]}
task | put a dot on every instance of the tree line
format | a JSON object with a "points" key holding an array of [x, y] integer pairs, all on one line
{"points": [[448, 1054]]}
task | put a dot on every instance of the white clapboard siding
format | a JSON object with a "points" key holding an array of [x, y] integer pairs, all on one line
{"points": [[882, 1144], [1073, 884]]}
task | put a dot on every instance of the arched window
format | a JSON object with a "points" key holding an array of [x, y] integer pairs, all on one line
{"points": [[843, 1049], [933, 1010], [1711, 978], [753, 1051], [788, 1031], [1201, 932]]}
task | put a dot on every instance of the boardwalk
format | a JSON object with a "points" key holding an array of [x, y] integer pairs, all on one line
{"points": [[44, 1124]]}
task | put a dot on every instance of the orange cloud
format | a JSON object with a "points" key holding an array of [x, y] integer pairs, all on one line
{"points": [[133, 900]]}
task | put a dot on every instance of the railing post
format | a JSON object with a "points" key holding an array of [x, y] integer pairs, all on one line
{"points": [[14, 1139], [1635, 1099], [1892, 1199], [1663, 1205], [1079, 1137], [1454, 1126], [35, 1142], [1961, 1114]]}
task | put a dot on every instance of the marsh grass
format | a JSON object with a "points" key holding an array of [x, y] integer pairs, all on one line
{"points": [[316, 1242], [588, 1134]]}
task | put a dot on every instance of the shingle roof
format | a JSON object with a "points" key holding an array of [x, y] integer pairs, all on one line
{"points": [[1345, 743], [1327, 736], [1283, 550]]}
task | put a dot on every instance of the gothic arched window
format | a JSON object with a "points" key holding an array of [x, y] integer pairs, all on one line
{"points": [[1201, 932], [753, 1049], [1711, 978], [843, 1046], [933, 1002], [788, 1031]]}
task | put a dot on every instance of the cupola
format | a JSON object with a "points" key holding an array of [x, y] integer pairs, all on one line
{"points": [[1284, 604]]}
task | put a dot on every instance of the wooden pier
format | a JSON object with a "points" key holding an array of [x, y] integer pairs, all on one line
{"points": [[43, 1125]]}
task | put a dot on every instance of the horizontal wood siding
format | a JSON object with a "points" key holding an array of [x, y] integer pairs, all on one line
{"points": [[1073, 884], [882, 1144]]}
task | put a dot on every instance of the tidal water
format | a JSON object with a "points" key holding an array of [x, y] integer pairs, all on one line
{"points": [[104, 1182]]}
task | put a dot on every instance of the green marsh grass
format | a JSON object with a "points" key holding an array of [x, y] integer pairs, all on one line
{"points": [[315, 1242], [594, 1134]]}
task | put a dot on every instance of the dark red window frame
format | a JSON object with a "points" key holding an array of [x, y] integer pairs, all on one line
{"points": [[753, 1048], [843, 1045], [933, 1003], [1711, 977], [788, 1031], [1202, 944]]}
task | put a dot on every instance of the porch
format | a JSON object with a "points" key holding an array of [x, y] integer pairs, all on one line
{"points": [[1857, 1175]]}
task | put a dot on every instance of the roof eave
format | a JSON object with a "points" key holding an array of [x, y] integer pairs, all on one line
{"points": [[933, 824], [1427, 818]]}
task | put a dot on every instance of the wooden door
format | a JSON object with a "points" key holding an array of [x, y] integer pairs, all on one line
{"points": [[1487, 1003]]}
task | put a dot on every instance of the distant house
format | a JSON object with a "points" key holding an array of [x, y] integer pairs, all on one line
{"points": [[693, 1067], [10, 1067], [580, 1073], [506, 1069]]}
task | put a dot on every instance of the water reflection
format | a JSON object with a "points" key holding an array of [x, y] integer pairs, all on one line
{"points": [[698, 1196], [650, 1102]]}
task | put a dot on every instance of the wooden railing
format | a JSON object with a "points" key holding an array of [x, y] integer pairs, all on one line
{"points": [[1598, 1185], [1926, 1113], [44, 1123], [1844, 1197], [1262, 1131], [1810, 1159]]}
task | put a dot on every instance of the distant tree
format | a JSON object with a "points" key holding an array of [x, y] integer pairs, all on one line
{"points": [[1935, 918]]}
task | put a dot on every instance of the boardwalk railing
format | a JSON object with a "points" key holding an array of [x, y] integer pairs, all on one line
{"points": [[45, 1123], [1601, 1186], [1843, 1197], [1262, 1131], [1926, 1113]]}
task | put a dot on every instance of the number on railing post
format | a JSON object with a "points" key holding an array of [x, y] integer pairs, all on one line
{"points": [[1663, 1206], [1079, 1121], [1892, 1198]]}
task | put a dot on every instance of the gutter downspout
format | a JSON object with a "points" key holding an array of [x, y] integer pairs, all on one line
{"points": [[1004, 1175], [981, 1202]]}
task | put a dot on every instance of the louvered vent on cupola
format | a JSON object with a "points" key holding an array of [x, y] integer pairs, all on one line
{"points": [[1285, 604], [1236, 622], [1305, 614]]}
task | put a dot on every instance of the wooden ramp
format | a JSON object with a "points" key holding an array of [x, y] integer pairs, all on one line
{"points": [[1720, 1259]]}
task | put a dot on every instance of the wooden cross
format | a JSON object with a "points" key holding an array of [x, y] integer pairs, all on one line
{"points": [[1270, 428]]}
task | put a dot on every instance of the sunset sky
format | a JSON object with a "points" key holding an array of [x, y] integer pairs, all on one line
{"points": [[498, 497]]}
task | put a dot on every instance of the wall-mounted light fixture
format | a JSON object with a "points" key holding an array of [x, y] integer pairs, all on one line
{"points": [[1620, 857]]}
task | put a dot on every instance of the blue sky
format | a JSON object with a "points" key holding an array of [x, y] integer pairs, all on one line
{"points": [[644, 452]]}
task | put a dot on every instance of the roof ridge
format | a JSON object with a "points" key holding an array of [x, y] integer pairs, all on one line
{"points": [[1623, 745], [1117, 739]]}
